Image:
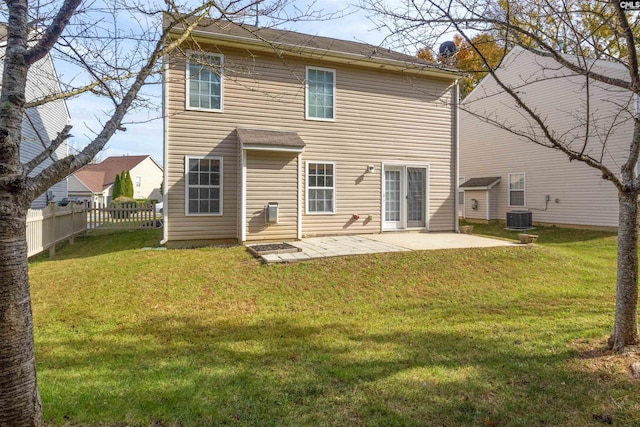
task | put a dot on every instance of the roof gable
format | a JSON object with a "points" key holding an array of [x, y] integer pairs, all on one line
{"points": [[484, 183], [101, 175]]}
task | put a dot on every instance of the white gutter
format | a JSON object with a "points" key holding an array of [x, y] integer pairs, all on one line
{"points": [[243, 196], [300, 207], [165, 154]]}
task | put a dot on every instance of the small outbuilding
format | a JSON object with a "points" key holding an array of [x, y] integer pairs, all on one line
{"points": [[481, 198]]}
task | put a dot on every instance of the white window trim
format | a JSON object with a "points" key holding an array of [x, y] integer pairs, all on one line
{"points": [[306, 94], [186, 185], [427, 202], [138, 181], [187, 80], [461, 180], [306, 185], [523, 190]]}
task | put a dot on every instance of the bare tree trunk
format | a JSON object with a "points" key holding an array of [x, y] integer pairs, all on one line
{"points": [[625, 327], [19, 397]]}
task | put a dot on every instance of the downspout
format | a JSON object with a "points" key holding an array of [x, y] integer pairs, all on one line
{"points": [[487, 198], [165, 153], [300, 196], [243, 196], [456, 141]]}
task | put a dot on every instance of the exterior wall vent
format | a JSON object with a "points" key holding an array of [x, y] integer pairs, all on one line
{"points": [[520, 220], [271, 212]]}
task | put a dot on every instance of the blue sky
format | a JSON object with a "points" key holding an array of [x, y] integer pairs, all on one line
{"points": [[146, 137]]}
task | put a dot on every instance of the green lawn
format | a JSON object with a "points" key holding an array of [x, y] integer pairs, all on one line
{"points": [[479, 337]]}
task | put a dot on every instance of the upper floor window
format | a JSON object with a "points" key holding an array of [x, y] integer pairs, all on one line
{"points": [[321, 94], [204, 81], [203, 185], [517, 189], [138, 181]]}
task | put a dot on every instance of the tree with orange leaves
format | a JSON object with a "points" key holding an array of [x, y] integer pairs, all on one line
{"points": [[468, 58]]}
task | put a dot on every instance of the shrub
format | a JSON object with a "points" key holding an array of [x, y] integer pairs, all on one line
{"points": [[127, 187], [117, 188], [118, 207]]}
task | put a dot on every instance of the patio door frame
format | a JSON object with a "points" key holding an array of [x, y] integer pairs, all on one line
{"points": [[403, 223]]}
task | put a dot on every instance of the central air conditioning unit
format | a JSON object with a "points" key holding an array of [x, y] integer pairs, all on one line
{"points": [[520, 220]]}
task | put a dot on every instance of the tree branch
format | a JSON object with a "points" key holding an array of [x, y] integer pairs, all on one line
{"points": [[628, 170], [75, 92], [63, 135], [38, 184], [554, 143], [53, 32]]}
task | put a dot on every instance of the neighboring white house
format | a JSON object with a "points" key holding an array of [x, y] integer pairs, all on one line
{"points": [[43, 123], [94, 182], [505, 172]]}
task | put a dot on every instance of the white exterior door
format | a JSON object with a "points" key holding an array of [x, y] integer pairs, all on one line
{"points": [[393, 198], [404, 197]]}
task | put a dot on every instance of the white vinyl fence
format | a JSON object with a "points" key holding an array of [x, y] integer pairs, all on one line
{"points": [[126, 216], [53, 224]]}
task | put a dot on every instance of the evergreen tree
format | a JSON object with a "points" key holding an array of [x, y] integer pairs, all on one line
{"points": [[128, 185], [117, 188]]}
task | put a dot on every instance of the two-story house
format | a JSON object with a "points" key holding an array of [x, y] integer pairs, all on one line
{"points": [[503, 171], [273, 135]]}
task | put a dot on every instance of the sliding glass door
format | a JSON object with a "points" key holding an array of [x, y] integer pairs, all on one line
{"points": [[404, 197]]}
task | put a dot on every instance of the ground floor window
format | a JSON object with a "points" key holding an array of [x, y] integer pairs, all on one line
{"points": [[517, 189], [203, 177], [321, 187]]}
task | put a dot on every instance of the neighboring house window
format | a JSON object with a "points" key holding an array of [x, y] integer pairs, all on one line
{"points": [[516, 189], [636, 105], [321, 94], [204, 82], [138, 181], [203, 176], [321, 187]]}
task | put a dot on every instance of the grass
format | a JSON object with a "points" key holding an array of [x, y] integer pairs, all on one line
{"points": [[478, 337]]}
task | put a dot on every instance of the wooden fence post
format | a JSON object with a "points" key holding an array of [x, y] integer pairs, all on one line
{"points": [[73, 222], [87, 216], [52, 248]]}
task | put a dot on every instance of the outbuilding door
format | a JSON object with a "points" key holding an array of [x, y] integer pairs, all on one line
{"points": [[404, 197]]}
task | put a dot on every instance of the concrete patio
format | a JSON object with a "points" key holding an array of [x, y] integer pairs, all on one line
{"points": [[324, 247]]}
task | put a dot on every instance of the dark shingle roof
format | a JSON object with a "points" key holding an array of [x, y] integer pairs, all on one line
{"points": [[295, 42], [488, 181]]}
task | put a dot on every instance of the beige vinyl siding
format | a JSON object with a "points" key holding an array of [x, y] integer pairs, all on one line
{"points": [[150, 174], [481, 197], [272, 177], [583, 197], [380, 117]]}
